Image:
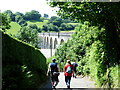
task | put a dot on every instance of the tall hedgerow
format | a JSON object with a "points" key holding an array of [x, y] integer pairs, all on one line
{"points": [[88, 47]]}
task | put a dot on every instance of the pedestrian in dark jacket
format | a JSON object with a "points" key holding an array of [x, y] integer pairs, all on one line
{"points": [[53, 69], [74, 67]]}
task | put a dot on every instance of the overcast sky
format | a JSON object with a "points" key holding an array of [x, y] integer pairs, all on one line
{"points": [[26, 6]]}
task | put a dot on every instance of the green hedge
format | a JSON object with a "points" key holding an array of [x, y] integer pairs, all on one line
{"points": [[96, 54], [23, 66]]}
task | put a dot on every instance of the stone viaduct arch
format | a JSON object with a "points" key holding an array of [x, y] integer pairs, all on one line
{"points": [[52, 40]]}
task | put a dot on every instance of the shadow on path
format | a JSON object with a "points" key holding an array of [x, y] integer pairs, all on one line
{"points": [[76, 83], [46, 85]]}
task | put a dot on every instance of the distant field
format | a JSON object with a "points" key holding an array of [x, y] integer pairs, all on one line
{"points": [[39, 24], [15, 27], [68, 31], [74, 23]]}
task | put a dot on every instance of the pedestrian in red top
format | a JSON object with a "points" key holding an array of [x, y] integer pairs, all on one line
{"points": [[68, 70]]}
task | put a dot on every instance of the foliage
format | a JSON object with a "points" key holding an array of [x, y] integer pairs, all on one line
{"points": [[19, 14], [56, 24], [34, 26], [46, 15], [10, 15], [20, 20], [15, 27], [89, 11], [87, 48], [5, 22], [28, 34], [23, 65], [50, 27], [41, 19], [17, 17], [100, 14], [39, 24], [32, 15], [65, 26]]}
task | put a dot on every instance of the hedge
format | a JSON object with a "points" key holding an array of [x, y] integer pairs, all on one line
{"points": [[23, 66]]}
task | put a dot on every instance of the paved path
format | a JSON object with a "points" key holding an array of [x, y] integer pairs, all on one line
{"points": [[75, 82], [78, 82], [47, 52]]}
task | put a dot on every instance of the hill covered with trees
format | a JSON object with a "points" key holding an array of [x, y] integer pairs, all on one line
{"points": [[54, 23], [26, 26]]}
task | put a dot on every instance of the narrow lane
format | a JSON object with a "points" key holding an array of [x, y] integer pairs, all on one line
{"points": [[47, 52], [78, 82]]}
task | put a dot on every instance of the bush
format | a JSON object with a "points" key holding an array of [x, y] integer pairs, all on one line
{"points": [[23, 65], [96, 55]]}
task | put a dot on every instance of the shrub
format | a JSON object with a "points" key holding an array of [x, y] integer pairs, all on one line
{"points": [[23, 65]]}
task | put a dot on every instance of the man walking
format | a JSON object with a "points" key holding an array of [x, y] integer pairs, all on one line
{"points": [[74, 67], [53, 69]]}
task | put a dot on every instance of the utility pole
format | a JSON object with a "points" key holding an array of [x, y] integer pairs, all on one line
{"points": [[58, 33], [51, 51], [51, 47]]}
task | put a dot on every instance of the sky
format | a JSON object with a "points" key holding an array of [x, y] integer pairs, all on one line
{"points": [[26, 6]]}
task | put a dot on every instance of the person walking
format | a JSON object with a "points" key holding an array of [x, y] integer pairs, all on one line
{"points": [[68, 70], [53, 69], [74, 67]]}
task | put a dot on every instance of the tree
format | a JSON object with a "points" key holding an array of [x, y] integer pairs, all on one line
{"points": [[66, 21], [34, 26], [29, 35], [45, 27], [56, 21], [22, 22], [50, 27], [46, 16], [20, 14], [102, 14], [99, 13], [65, 26], [41, 19], [33, 15], [5, 21], [10, 14], [52, 19], [19, 19]]}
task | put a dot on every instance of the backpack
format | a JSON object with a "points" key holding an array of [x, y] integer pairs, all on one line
{"points": [[69, 69]]}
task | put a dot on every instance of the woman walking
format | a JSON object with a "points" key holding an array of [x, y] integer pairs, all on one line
{"points": [[68, 70]]}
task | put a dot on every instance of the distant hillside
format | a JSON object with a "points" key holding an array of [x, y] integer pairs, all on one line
{"points": [[15, 27], [73, 23], [39, 24]]}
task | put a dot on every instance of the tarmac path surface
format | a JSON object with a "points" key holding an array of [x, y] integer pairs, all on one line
{"points": [[79, 82]]}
